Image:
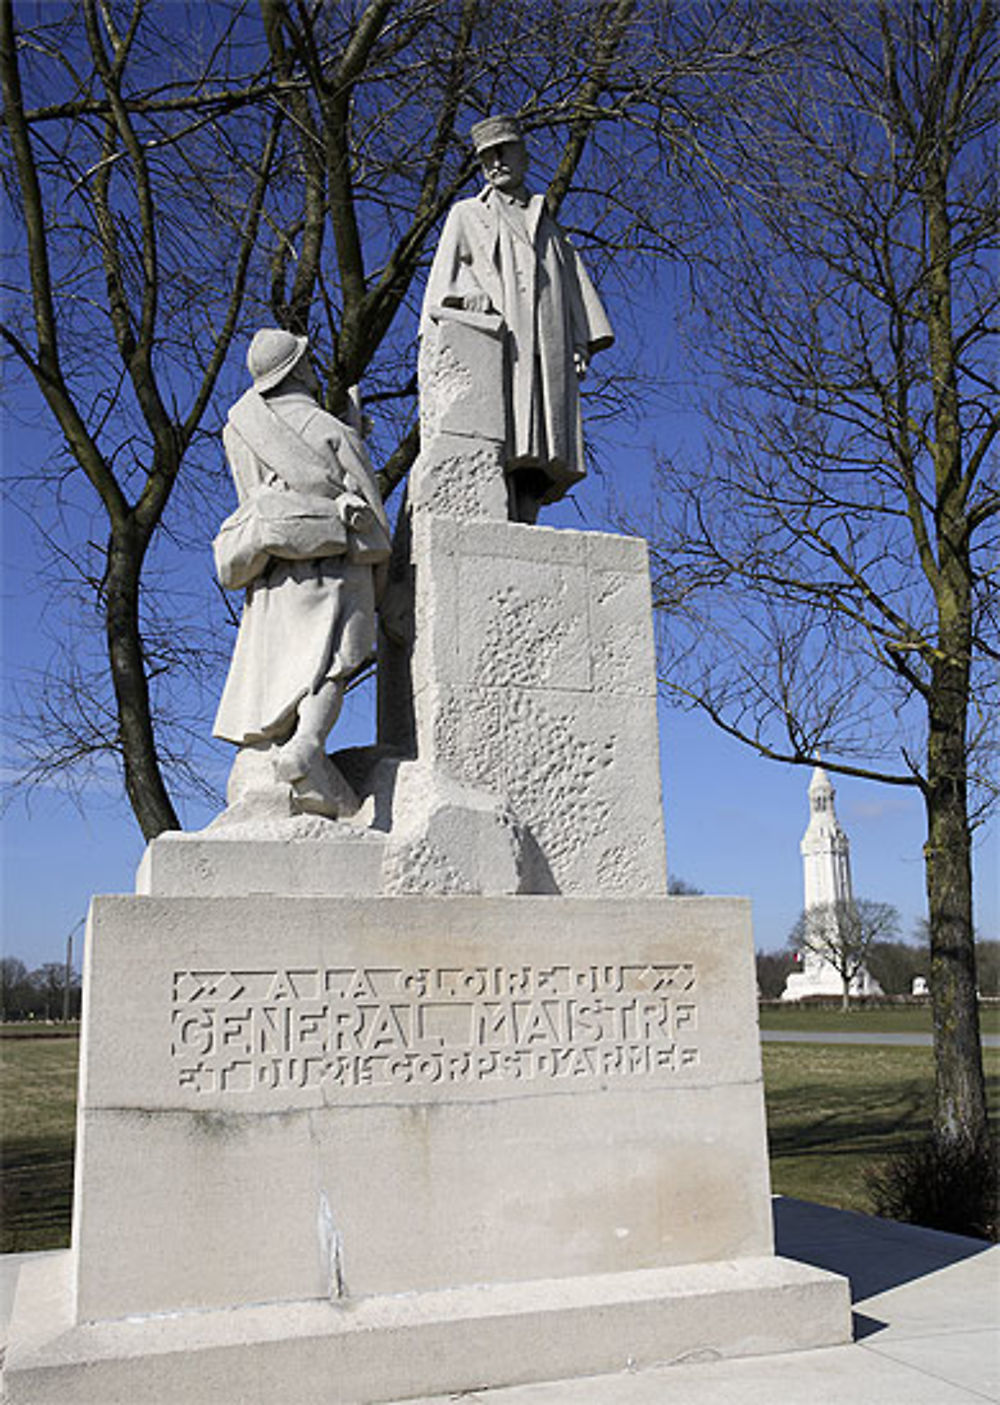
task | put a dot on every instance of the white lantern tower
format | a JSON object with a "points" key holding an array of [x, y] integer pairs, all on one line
{"points": [[826, 879]]}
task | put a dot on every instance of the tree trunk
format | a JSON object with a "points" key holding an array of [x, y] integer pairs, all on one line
{"points": [[960, 1094], [143, 779]]}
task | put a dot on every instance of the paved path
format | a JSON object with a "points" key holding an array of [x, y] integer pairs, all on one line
{"points": [[927, 1308], [857, 1036]]}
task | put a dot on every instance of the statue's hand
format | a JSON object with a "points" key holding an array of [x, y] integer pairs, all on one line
{"points": [[581, 361], [355, 513], [477, 302]]}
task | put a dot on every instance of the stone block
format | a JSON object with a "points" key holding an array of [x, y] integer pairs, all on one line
{"points": [[621, 626], [533, 680], [314, 1098], [318, 856], [525, 631], [436, 642], [460, 470], [575, 771], [514, 541], [450, 838], [461, 366], [607, 551], [466, 482]]}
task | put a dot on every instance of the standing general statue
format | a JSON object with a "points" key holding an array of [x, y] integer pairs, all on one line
{"points": [[306, 543], [501, 252]]}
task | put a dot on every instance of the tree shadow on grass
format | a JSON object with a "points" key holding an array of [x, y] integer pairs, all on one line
{"points": [[37, 1178], [829, 1120]]}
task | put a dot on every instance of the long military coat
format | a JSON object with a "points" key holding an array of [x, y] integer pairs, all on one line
{"points": [[520, 258], [303, 621]]}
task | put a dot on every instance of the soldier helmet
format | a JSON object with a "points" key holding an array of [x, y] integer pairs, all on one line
{"points": [[273, 354], [492, 131]]}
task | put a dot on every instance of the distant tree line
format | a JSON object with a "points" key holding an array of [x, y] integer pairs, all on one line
{"points": [[892, 963], [39, 994]]}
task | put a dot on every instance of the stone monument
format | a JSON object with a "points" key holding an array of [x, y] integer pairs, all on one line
{"points": [[505, 271], [305, 543], [826, 880], [444, 1093]]}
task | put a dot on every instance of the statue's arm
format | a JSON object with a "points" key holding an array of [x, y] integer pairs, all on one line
{"points": [[352, 477], [454, 280]]}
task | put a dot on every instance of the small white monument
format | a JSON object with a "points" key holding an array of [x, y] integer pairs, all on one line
{"points": [[443, 1093], [826, 881]]}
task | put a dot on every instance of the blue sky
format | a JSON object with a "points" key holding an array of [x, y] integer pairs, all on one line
{"points": [[733, 820]]}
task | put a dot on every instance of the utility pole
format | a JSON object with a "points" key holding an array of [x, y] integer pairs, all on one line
{"points": [[68, 977]]}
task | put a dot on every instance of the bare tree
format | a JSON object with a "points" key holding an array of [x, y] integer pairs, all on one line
{"points": [[827, 575], [842, 934], [55, 987], [180, 172], [15, 988], [138, 268]]}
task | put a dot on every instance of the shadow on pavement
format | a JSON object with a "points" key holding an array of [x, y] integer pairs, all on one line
{"points": [[866, 1326], [874, 1254]]}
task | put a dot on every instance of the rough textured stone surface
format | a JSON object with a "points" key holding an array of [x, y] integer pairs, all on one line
{"points": [[285, 1099], [533, 681], [460, 371], [460, 470], [455, 480], [448, 837]]}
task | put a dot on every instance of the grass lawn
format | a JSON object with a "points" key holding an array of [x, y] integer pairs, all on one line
{"points": [[37, 1112], [38, 1029], [888, 1019], [832, 1110]]}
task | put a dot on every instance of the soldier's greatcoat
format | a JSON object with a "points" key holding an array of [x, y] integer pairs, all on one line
{"points": [[308, 620], [519, 257]]}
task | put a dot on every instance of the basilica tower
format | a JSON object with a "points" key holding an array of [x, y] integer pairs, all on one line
{"points": [[826, 879], [825, 848]]}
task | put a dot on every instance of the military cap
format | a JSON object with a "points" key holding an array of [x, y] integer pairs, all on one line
{"points": [[492, 131]]}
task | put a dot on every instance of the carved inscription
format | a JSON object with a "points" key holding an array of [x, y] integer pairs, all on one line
{"points": [[424, 1031]]}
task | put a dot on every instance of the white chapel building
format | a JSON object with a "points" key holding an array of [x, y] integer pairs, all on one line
{"points": [[826, 878]]}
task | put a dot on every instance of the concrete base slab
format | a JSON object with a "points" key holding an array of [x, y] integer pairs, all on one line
{"points": [[386, 1348]]}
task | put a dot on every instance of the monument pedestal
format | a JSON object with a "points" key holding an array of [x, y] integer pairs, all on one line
{"points": [[391, 1146], [364, 1116]]}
